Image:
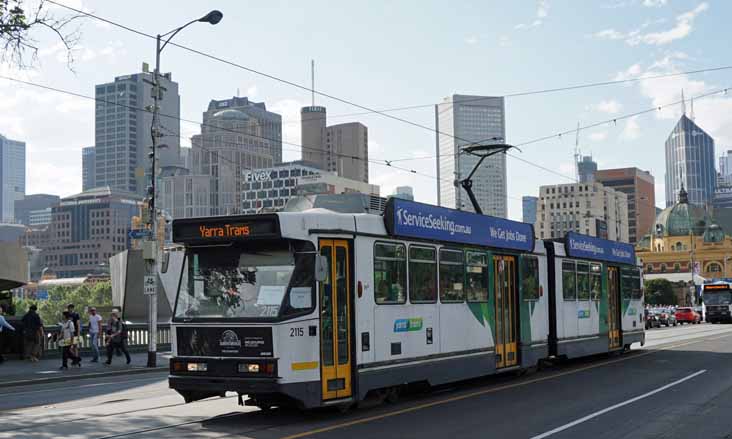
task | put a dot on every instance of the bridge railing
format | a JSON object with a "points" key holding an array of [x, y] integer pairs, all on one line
{"points": [[137, 339]]}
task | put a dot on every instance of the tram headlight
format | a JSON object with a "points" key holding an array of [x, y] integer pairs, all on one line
{"points": [[197, 367], [249, 368]]}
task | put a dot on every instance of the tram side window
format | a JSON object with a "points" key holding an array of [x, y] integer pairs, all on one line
{"points": [[476, 276], [530, 277], [583, 281], [422, 274], [626, 283], [390, 273], [595, 281], [569, 281], [637, 293], [452, 276]]}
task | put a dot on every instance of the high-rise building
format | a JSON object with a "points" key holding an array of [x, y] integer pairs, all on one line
{"points": [[528, 208], [88, 159], [586, 168], [122, 131], [463, 120], [87, 229], [690, 163], [587, 208], [12, 176], [404, 192], [725, 167], [341, 148], [34, 206], [236, 135], [185, 157], [639, 186]]}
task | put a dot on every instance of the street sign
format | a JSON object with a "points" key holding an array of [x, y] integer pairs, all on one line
{"points": [[150, 285], [139, 233]]}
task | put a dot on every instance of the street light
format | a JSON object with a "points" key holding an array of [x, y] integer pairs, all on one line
{"points": [[212, 17]]}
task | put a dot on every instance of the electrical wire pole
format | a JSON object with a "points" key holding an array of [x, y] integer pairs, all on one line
{"points": [[151, 245]]}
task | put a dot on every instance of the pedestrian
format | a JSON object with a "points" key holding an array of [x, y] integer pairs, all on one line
{"points": [[33, 334], [116, 337], [117, 352], [4, 325], [76, 319], [95, 328], [66, 342]]}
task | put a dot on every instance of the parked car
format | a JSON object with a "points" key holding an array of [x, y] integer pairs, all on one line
{"points": [[687, 315], [652, 320], [666, 316]]}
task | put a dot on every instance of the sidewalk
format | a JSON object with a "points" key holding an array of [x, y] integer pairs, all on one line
{"points": [[19, 373]]}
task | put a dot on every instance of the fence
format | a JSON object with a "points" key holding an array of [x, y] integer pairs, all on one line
{"points": [[137, 339]]}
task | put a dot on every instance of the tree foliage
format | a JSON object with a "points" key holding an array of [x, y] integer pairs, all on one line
{"points": [[82, 297], [660, 292], [21, 25]]}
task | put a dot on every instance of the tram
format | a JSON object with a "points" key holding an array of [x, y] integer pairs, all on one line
{"points": [[320, 308]]}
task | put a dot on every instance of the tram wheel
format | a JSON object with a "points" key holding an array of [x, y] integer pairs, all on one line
{"points": [[392, 395]]}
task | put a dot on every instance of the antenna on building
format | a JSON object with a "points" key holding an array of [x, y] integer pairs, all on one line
{"points": [[312, 80], [691, 115], [577, 153], [237, 92], [683, 103]]}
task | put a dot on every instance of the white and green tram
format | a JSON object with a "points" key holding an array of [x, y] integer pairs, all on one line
{"points": [[322, 308]]}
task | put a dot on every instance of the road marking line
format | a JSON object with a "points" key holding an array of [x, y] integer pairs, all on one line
{"points": [[616, 406], [479, 393]]}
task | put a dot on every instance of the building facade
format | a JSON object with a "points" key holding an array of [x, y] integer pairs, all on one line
{"points": [[12, 176], [271, 188], [586, 169], [725, 167], [587, 208], [639, 186], [122, 131], [33, 208], [87, 229], [236, 135], [88, 159], [312, 135], [528, 209], [690, 163], [186, 195], [463, 120]]}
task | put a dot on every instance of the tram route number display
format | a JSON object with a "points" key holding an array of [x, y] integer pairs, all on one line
{"points": [[224, 342]]}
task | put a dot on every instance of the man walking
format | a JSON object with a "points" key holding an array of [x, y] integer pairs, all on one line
{"points": [[32, 334], [3, 324], [116, 333], [67, 342], [95, 328], [76, 320]]}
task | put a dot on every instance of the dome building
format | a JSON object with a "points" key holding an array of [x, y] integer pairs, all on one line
{"points": [[685, 239]]}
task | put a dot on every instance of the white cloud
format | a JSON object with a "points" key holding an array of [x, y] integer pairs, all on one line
{"points": [[252, 92], [472, 39], [682, 29], [611, 107], [630, 73], [632, 129], [542, 11], [598, 136], [654, 3]]}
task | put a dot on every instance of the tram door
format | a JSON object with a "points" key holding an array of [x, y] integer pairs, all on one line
{"points": [[613, 315], [504, 285], [335, 306]]}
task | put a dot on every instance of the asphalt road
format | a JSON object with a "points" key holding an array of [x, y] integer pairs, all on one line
{"points": [[679, 386]]}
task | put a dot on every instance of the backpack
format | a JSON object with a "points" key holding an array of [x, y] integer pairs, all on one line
{"points": [[123, 332]]}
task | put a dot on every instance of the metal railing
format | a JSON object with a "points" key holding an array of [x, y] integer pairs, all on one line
{"points": [[137, 338]]}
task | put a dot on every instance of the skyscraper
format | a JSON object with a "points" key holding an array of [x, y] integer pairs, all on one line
{"points": [[122, 131], [236, 135], [725, 167], [528, 207], [639, 186], [12, 176], [341, 148], [586, 169], [88, 158], [463, 120], [32, 207], [690, 163]]}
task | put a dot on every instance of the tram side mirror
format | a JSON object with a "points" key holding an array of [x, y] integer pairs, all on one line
{"points": [[321, 268], [165, 262]]}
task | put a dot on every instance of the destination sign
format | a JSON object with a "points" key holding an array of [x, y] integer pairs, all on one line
{"points": [[418, 220], [590, 247], [716, 287], [225, 228]]}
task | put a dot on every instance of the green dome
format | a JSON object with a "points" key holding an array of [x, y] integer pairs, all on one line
{"points": [[677, 219], [714, 233]]}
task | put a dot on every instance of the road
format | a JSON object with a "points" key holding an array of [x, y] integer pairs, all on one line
{"points": [[678, 386]]}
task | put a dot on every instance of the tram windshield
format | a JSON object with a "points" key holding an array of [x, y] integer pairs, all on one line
{"points": [[255, 282], [717, 297]]}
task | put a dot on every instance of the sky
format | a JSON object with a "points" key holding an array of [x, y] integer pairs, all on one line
{"points": [[384, 55]]}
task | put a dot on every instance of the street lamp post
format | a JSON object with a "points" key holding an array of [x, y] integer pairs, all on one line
{"points": [[212, 17]]}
